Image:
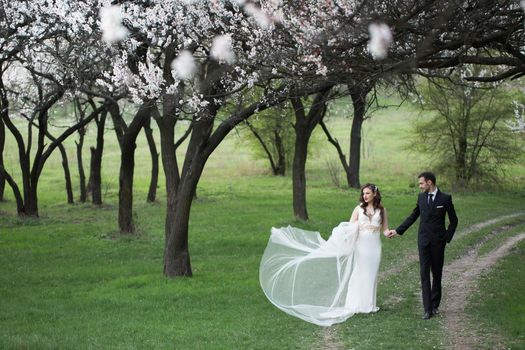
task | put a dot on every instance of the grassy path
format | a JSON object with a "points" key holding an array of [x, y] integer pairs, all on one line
{"points": [[466, 270]]}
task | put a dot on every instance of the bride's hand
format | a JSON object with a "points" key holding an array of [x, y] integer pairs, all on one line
{"points": [[390, 233]]}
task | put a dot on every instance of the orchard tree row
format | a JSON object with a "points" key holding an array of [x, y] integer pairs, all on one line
{"points": [[217, 64]]}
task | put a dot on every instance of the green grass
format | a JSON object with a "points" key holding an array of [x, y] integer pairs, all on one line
{"points": [[499, 305], [69, 280]]}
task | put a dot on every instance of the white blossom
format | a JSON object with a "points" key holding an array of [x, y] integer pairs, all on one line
{"points": [[222, 49], [184, 65], [258, 15], [111, 24], [380, 40]]}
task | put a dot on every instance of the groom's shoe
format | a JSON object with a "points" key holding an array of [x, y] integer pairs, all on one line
{"points": [[435, 311], [427, 315]]}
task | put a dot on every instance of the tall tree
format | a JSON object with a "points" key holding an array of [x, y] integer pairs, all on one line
{"points": [[474, 141], [304, 125]]}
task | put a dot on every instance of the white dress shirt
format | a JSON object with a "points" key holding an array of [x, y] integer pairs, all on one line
{"points": [[433, 195]]}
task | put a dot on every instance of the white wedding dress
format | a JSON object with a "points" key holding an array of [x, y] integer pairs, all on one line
{"points": [[324, 282]]}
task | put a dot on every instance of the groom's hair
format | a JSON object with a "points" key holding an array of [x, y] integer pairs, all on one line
{"points": [[428, 176]]}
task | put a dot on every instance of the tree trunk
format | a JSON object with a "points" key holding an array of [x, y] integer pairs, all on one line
{"points": [[67, 174], [202, 143], [30, 175], [304, 125], [96, 161], [94, 177], [2, 143], [118, 122], [31, 206], [302, 136], [152, 193], [461, 155], [24, 164], [16, 191], [127, 168], [176, 254], [359, 103], [281, 155], [172, 176], [80, 163]]}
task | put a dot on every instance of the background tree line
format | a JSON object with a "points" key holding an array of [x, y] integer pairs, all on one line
{"points": [[218, 67]]}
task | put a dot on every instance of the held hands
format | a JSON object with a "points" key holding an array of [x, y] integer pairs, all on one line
{"points": [[390, 233]]}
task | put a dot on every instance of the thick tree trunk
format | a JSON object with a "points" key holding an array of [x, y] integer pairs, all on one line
{"points": [[171, 172], [96, 161], [302, 136], [127, 168], [31, 206], [80, 164], [67, 174], [176, 253], [2, 143], [359, 103], [202, 143], [152, 193], [304, 125]]}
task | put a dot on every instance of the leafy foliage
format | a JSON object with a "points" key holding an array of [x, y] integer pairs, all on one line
{"points": [[467, 133]]}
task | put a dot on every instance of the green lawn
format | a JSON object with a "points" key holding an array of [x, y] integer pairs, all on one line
{"points": [[499, 305], [68, 280]]}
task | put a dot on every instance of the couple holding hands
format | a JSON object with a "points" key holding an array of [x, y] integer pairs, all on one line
{"points": [[326, 282]]}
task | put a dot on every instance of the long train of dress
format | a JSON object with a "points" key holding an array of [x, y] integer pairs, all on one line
{"points": [[323, 282]]}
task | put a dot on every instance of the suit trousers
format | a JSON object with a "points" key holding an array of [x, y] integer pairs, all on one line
{"points": [[431, 257]]}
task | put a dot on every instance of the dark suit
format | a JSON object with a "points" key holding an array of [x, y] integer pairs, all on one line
{"points": [[432, 239]]}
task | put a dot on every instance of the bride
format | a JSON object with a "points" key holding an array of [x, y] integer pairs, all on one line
{"points": [[326, 282]]}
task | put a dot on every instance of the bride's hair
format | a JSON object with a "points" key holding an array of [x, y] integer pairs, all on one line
{"points": [[377, 199]]}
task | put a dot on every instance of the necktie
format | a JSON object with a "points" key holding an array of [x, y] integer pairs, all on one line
{"points": [[430, 195]]}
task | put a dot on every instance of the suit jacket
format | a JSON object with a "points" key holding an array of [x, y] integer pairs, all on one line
{"points": [[432, 222]]}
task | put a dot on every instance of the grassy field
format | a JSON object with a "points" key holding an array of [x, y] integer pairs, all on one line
{"points": [[502, 287], [68, 280]]}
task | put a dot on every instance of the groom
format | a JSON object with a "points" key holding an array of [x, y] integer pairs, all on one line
{"points": [[432, 204]]}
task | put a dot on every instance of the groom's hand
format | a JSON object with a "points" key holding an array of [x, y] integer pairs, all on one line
{"points": [[391, 233]]}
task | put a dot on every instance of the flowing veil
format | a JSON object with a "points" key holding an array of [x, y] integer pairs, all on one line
{"points": [[306, 276]]}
